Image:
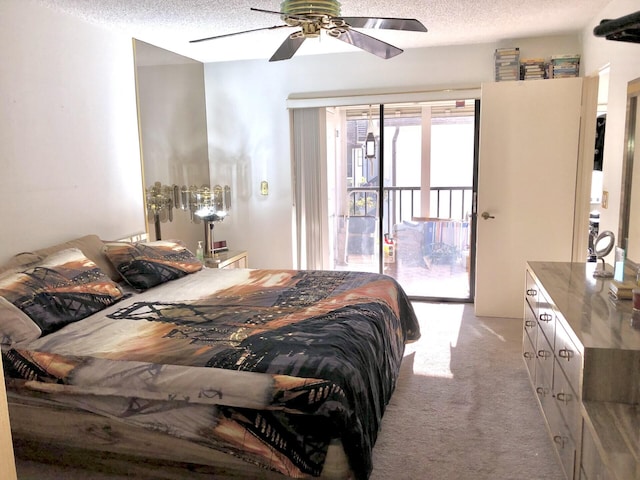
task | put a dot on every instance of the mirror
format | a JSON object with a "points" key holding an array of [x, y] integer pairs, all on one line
{"points": [[602, 246], [173, 138], [629, 232]]}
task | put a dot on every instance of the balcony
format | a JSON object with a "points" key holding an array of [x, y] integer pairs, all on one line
{"points": [[429, 255]]}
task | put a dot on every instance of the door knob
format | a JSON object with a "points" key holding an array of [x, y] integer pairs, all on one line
{"points": [[486, 215]]}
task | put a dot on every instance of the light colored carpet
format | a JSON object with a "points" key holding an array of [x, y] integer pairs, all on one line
{"points": [[463, 408]]}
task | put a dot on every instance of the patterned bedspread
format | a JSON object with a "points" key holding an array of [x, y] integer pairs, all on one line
{"points": [[269, 365]]}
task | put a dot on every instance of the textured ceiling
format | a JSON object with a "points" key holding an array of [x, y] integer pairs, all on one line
{"points": [[170, 24]]}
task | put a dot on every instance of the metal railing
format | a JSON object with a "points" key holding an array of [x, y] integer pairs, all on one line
{"points": [[402, 203]]}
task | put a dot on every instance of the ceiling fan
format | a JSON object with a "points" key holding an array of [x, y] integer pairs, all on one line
{"points": [[313, 16]]}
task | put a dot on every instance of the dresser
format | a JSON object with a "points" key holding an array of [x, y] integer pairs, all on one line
{"points": [[228, 259], [582, 356]]}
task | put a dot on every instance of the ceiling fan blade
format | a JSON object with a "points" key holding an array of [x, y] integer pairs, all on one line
{"points": [[365, 42], [267, 11], [288, 48], [238, 33], [410, 24]]}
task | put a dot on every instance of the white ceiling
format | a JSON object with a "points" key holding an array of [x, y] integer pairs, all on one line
{"points": [[170, 24]]}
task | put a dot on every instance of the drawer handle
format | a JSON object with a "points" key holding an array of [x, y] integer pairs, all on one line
{"points": [[564, 397], [545, 317], [532, 292], [565, 353], [559, 440], [529, 355], [544, 353], [529, 323], [542, 391]]}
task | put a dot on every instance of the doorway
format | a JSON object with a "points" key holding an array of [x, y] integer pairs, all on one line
{"points": [[407, 194]]}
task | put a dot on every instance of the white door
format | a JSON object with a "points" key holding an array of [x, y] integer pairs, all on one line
{"points": [[529, 134]]}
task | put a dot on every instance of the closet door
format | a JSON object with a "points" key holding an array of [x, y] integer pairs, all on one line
{"points": [[529, 134]]}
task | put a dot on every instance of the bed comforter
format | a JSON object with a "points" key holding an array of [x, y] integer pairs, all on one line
{"points": [[269, 365]]}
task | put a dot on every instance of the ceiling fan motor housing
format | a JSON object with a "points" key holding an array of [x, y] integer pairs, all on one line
{"points": [[329, 8]]}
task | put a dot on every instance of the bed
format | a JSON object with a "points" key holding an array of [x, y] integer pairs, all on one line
{"points": [[286, 372]]}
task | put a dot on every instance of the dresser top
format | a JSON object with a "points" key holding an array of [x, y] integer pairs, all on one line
{"points": [[597, 320]]}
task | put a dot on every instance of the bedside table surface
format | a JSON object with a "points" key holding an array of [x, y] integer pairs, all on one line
{"points": [[224, 259]]}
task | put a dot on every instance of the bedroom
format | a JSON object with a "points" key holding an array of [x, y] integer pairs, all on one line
{"points": [[71, 109], [56, 81]]}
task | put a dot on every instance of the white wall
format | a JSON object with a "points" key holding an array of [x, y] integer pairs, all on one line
{"points": [[69, 150], [624, 61], [248, 120]]}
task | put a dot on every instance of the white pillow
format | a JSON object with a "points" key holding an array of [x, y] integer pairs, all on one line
{"points": [[15, 325]]}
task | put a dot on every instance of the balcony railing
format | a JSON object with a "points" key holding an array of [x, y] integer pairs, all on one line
{"points": [[403, 203]]}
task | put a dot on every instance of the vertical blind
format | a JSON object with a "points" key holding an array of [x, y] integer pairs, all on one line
{"points": [[309, 144]]}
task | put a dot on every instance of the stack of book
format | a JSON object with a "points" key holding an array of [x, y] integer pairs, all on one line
{"points": [[507, 62], [563, 66], [532, 69], [621, 290]]}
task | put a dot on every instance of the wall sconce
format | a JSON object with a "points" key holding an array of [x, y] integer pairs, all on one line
{"points": [[202, 203], [160, 204]]}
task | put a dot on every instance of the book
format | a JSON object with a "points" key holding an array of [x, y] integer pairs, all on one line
{"points": [[532, 69], [565, 65], [621, 290], [507, 64]]}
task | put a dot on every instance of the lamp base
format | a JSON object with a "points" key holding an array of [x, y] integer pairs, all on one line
{"points": [[208, 239]]}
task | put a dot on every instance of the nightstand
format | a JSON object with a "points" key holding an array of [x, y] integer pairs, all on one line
{"points": [[228, 259]]}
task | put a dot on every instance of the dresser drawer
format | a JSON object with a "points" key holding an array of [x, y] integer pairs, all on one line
{"points": [[529, 355], [568, 403], [543, 385], [569, 357], [531, 293], [529, 338], [544, 359], [530, 324], [561, 437], [547, 319]]}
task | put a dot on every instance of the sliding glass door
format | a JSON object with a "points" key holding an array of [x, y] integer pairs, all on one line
{"points": [[403, 194]]}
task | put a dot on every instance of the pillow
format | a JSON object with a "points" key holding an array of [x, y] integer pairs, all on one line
{"points": [[63, 288], [145, 265], [90, 245], [15, 326]]}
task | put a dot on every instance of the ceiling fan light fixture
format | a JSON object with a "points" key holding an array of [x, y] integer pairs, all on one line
{"points": [[315, 7], [313, 16]]}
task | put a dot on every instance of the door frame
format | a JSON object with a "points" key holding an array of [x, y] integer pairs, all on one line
{"points": [[311, 100], [379, 262]]}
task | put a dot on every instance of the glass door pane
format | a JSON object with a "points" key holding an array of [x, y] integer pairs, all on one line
{"points": [[429, 166], [416, 226], [359, 232]]}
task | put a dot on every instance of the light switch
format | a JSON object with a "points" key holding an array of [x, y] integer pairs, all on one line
{"points": [[264, 187]]}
